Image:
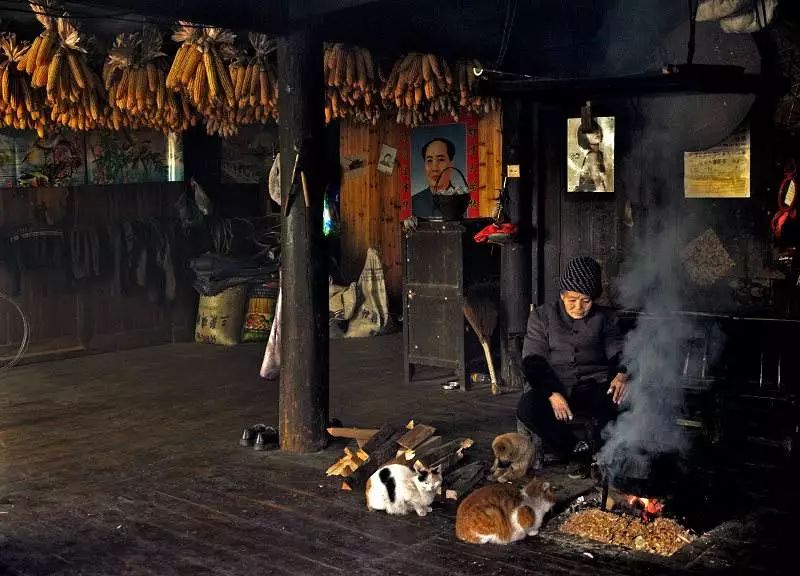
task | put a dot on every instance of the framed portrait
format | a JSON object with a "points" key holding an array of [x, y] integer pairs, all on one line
{"points": [[590, 155], [438, 158]]}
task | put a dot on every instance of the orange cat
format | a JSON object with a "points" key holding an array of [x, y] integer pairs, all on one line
{"points": [[501, 514]]}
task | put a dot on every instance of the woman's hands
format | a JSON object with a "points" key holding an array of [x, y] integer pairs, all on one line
{"points": [[618, 387], [560, 407]]}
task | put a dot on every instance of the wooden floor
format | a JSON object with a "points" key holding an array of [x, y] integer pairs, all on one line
{"points": [[129, 463]]}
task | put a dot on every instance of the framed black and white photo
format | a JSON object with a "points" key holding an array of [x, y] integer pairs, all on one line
{"points": [[590, 155]]}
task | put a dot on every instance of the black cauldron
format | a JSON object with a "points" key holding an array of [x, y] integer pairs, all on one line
{"points": [[452, 206]]}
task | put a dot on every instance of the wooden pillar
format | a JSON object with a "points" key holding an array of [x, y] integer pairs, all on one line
{"points": [[515, 264], [303, 401]]}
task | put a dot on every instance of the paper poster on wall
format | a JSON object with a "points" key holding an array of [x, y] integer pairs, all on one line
{"points": [[8, 161], [56, 160], [722, 171], [247, 156], [126, 157], [386, 159], [590, 155]]}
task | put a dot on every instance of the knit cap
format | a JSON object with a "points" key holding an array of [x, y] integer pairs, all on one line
{"points": [[582, 274]]}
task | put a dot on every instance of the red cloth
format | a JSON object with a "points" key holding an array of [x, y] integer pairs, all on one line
{"points": [[786, 212], [491, 229]]}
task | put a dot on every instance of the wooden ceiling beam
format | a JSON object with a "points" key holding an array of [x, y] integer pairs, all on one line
{"points": [[257, 15]]}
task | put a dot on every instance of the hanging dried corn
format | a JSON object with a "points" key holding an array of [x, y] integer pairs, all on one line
{"points": [[73, 90], [199, 71], [22, 106], [134, 75], [36, 61], [421, 87], [255, 83], [350, 80], [467, 83]]}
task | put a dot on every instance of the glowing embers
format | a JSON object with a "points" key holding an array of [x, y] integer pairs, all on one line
{"points": [[647, 508]]}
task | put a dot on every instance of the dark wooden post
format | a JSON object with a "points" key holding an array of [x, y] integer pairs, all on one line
{"points": [[515, 265], [304, 326]]}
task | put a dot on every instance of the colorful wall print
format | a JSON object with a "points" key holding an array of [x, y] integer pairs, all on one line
{"points": [[247, 156], [722, 171], [126, 157], [590, 155], [58, 159]]}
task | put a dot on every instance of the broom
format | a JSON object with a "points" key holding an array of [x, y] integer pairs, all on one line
{"points": [[481, 313]]}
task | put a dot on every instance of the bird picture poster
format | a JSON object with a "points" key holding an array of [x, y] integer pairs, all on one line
{"points": [[58, 159]]}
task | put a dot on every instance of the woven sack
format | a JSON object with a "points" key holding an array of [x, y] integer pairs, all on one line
{"points": [[219, 318]]}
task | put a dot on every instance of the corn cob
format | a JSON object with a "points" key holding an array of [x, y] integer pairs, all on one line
{"points": [[53, 72]]}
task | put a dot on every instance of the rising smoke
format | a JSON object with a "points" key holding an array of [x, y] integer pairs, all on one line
{"points": [[654, 355]]}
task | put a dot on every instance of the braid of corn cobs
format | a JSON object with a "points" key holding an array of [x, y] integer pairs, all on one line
{"points": [[73, 90], [134, 75], [21, 106], [351, 90], [199, 73], [422, 87], [36, 60], [255, 84], [468, 101]]}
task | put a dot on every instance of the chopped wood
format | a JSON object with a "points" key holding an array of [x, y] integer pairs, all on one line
{"points": [[377, 458], [362, 434], [416, 436], [338, 467], [440, 452], [354, 456], [383, 434], [460, 481], [447, 462], [425, 448]]}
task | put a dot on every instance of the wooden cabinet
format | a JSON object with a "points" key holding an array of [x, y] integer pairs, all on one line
{"points": [[440, 262]]}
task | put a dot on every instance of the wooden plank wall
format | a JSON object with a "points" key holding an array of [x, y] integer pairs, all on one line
{"points": [[651, 177], [370, 200], [71, 319]]}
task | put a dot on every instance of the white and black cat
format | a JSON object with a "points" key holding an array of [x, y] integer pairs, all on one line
{"points": [[398, 489]]}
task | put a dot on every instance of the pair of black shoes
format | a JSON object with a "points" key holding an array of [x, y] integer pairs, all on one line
{"points": [[259, 436]]}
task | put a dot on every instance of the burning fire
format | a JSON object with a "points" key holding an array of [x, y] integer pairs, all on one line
{"points": [[650, 507]]}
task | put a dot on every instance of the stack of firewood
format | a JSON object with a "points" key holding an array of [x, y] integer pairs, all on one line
{"points": [[405, 445]]}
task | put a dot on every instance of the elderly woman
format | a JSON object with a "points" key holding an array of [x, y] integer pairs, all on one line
{"points": [[571, 360]]}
